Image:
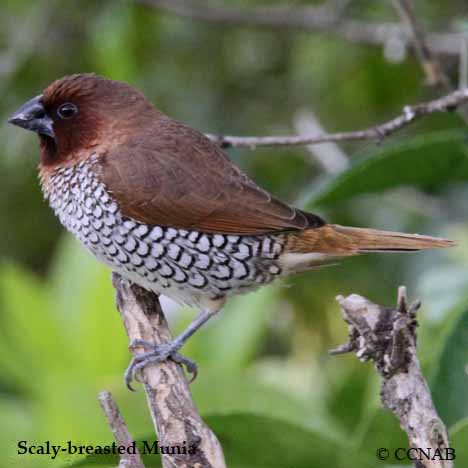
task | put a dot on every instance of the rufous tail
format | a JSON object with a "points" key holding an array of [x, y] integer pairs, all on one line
{"points": [[336, 240]]}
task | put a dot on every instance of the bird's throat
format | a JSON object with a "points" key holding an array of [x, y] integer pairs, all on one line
{"points": [[49, 151]]}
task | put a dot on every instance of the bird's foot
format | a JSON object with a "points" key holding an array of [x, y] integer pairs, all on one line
{"points": [[157, 353]]}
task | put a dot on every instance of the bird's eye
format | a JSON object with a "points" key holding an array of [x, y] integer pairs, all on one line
{"points": [[67, 110]]}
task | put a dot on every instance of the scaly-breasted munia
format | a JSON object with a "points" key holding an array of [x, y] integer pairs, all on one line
{"points": [[163, 206]]}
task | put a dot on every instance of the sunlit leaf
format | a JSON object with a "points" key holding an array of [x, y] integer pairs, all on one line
{"points": [[31, 335], [85, 300]]}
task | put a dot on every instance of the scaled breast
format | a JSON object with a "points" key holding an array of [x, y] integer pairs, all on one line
{"points": [[164, 259]]}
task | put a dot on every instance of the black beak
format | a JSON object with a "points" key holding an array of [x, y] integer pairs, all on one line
{"points": [[32, 116]]}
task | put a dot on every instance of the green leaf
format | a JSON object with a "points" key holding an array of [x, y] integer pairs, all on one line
{"points": [[249, 440], [427, 162], [355, 390], [21, 426], [241, 393], [381, 429], [458, 438], [450, 383], [85, 298], [31, 337]]}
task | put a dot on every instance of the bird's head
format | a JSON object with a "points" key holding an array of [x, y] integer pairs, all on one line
{"points": [[84, 112]]}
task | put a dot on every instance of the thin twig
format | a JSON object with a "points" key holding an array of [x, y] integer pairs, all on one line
{"points": [[409, 114], [295, 18], [429, 62], [130, 457], [172, 409], [387, 336]]}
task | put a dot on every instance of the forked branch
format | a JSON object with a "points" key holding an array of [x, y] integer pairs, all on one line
{"points": [[387, 337]]}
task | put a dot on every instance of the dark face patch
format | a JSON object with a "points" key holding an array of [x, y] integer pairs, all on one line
{"points": [[88, 111]]}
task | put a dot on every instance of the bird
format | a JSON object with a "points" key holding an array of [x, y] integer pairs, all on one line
{"points": [[163, 205]]}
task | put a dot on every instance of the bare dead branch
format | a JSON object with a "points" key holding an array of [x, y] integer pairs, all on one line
{"points": [[172, 409], [122, 436], [409, 114], [387, 337], [294, 18]]}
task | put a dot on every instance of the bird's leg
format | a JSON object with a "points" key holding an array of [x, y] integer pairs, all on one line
{"points": [[159, 353]]}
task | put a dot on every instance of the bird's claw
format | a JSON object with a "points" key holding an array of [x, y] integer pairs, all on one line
{"points": [[190, 366], [156, 354]]}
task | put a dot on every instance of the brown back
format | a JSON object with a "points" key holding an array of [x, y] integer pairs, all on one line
{"points": [[172, 175]]}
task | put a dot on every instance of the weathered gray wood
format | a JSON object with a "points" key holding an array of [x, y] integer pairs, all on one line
{"points": [[175, 417], [387, 337]]}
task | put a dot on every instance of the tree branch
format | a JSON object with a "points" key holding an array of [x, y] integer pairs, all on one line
{"points": [[173, 411], [387, 336], [429, 62], [409, 114], [121, 433], [293, 18]]}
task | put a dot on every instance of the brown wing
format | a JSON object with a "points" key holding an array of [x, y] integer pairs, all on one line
{"points": [[174, 176]]}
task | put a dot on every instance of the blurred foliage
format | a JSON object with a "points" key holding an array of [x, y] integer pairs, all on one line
{"points": [[388, 168], [267, 385], [449, 389]]}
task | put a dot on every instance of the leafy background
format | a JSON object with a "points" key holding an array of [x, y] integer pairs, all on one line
{"points": [[267, 385]]}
